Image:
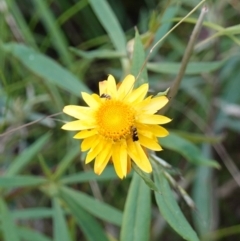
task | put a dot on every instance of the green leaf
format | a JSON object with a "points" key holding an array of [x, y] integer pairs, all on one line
{"points": [[60, 228], [87, 176], [22, 23], [66, 162], [58, 38], [145, 176], [93, 206], [187, 149], [26, 156], [110, 23], [90, 227], [21, 181], [192, 68], [137, 212], [32, 213], [138, 60], [30, 235], [166, 23], [202, 195], [46, 68], [163, 93], [8, 226], [98, 54], [170, 209], [198, 138]]}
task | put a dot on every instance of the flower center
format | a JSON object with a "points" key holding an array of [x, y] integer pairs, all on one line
{"points": [[115, 120]]}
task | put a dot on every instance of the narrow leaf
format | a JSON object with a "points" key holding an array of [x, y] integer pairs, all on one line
{"points": [[137, 212], [138, 60], [192, 68], [8, 226], [31, 235], [93, 206], [90, 227], [27, 155], [66, 161], [46, 68], [57, 36], [21, 181], [110, 23], [164, 27], [98, 54], [199, 138], [202, 194], [108, 174], [60, 228], [187, 149], [32, 213], [170, 209], [145, 176]]}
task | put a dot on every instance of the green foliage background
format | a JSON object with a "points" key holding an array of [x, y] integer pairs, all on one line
{"points": [[50, 52]]}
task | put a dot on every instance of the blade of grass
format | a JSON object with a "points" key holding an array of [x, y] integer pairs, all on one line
{"points": [[110, 23], [60, 228], [192, 68], [187, 149], [46, 68], [88, 224], [21, 181], [87, 176], [26, 156], [57, 36], [170, 209], [30, 235], [66, 162], [138, 59], [93, 206], [137, 211], [8, 226], [32, 213], [27, 33]]}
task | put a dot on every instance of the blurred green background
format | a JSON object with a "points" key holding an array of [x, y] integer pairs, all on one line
{"points": [[51, 51]]}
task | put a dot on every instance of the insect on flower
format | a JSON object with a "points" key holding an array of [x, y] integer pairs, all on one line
{"points": [[106, 96], [120, 129], [134, 134]]}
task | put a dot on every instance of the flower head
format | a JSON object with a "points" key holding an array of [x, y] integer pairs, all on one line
{"points": [[118, 125]]}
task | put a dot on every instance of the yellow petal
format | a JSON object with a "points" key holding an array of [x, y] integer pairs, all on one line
{"points": [[139, 106], [78, 112], [153, 119], [138, 94], [137, 154], [102, 87], [97, 98], [89, 142], [120, 159], [126, 86], [95, 150], [123, 156], [90, 100], [129, 164], [117, 160], [78, 125], [155, 104], [85, 133], [149, 143], [159, 131], [144, 130], [151, 130], [102, 159], [111, 86]]}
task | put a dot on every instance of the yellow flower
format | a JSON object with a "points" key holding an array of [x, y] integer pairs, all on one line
{"points": [[118, 124]]}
